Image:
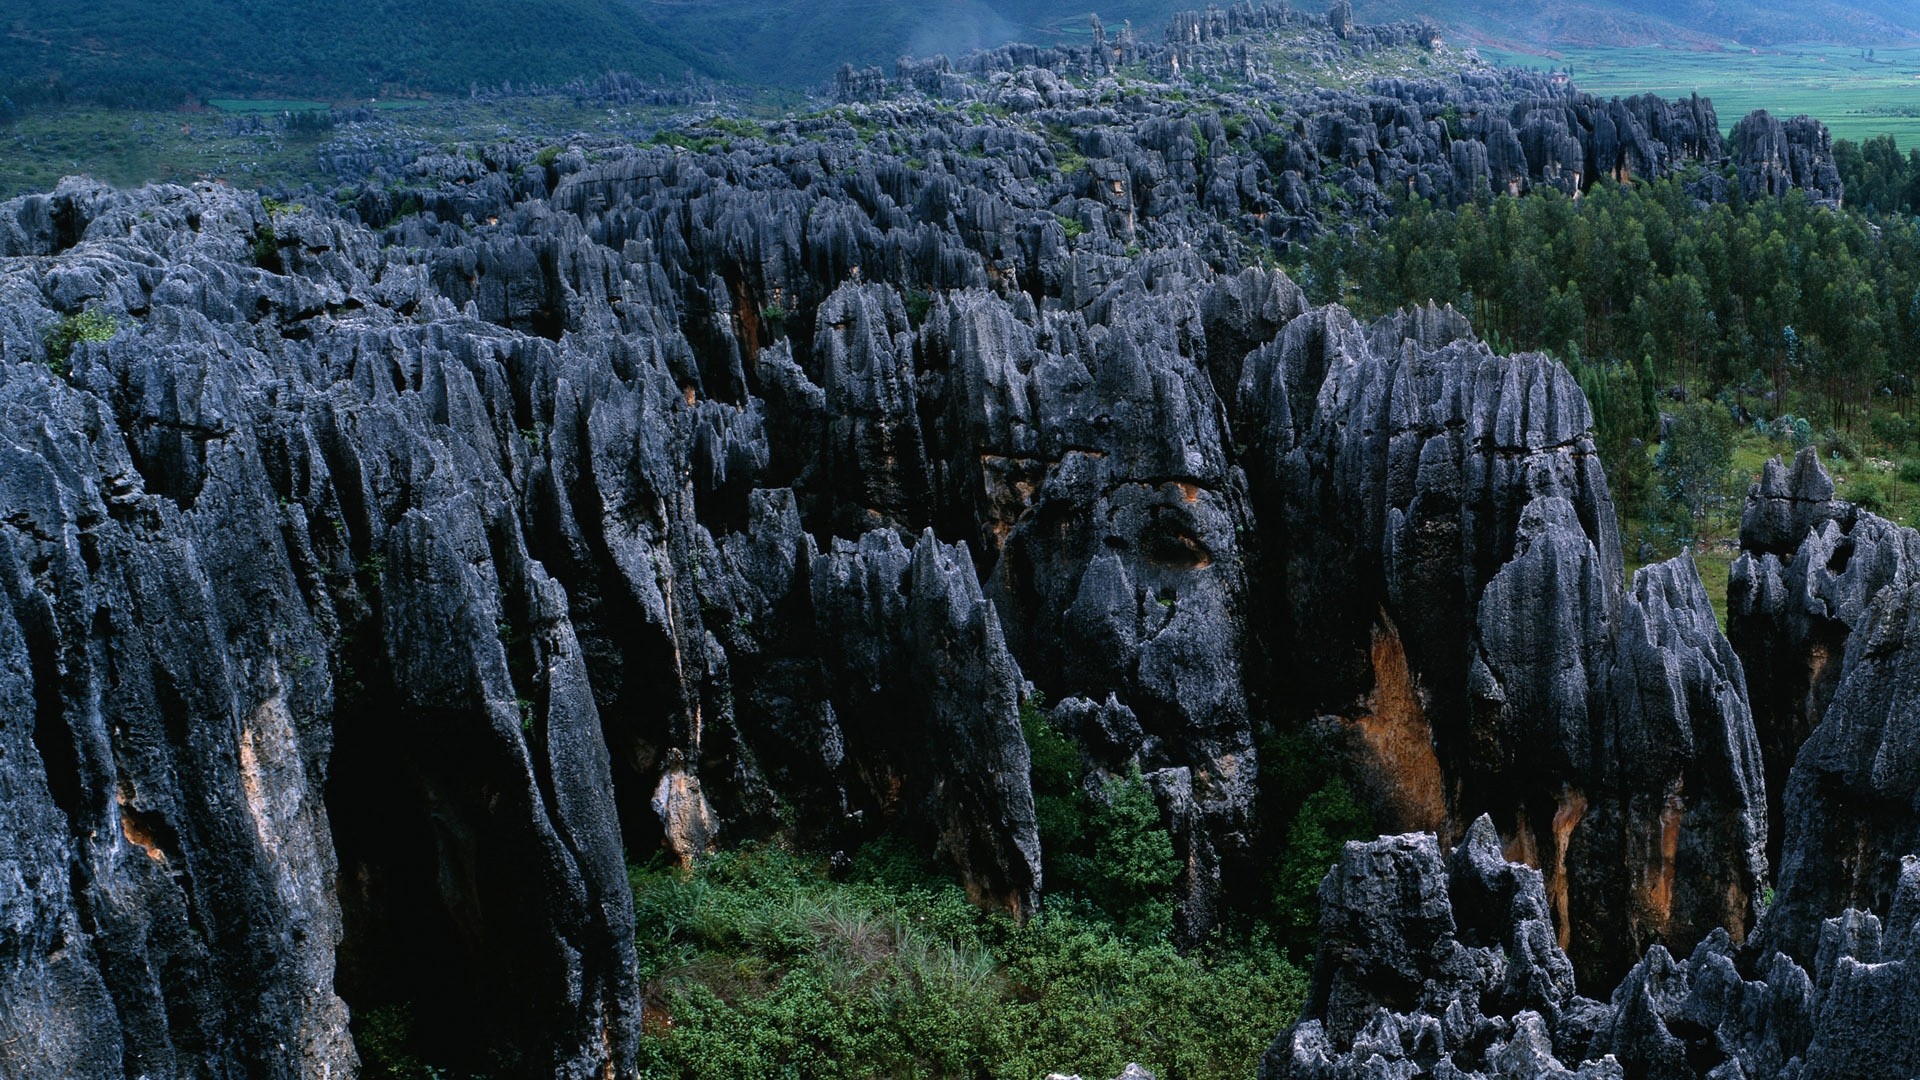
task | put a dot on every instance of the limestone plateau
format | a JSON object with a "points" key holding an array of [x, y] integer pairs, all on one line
{"points": [[385, 578]]}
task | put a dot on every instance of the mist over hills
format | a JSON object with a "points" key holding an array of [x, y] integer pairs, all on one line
{"points": [[122, 52]]}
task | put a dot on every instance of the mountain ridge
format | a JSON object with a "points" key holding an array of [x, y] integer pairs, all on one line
{"points": [[148, 55]]}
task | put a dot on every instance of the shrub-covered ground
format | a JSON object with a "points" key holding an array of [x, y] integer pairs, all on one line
{"points": [[762, 964]]}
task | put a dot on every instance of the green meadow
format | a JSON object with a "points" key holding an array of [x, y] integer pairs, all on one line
{"points": [[1856, 97], [265, 105]]}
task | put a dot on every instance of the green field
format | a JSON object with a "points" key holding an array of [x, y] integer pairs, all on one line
{"points": [[1856, 97], [265, 105]]}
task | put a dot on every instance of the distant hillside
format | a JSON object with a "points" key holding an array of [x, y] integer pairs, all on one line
{"points": [[1700, 23], [145, 53], [804, 41], [140, 52]]}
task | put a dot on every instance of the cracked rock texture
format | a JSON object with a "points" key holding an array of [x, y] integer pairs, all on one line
{"points": [[1438, 965], [1822, 600], [383, 583]]}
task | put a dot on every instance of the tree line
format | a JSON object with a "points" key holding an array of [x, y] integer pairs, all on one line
{"points": [[1653, 296]]}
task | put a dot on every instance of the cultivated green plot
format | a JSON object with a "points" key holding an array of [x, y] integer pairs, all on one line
{"points": [[1855, 96], [264, 105]]}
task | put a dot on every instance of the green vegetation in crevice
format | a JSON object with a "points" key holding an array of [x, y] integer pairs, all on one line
{"points": [[759, 963], [1307, 804], [92, 325], [1105, 850]]}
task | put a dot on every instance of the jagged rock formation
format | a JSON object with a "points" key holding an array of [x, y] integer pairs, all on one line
{"points": [[387, 576], [501, 575], [1445, 966], [1821, 601], [1776, 156], [1449, 562], [284, 578], [1432, 965], [1280, 151]]}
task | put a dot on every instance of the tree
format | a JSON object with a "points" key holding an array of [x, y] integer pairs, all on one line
{"points": [[1128, 868], [1695, 465]]}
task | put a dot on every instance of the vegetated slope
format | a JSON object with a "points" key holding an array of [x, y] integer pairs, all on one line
{"points": [[133, 53], [797, 42], [1685, 23]]}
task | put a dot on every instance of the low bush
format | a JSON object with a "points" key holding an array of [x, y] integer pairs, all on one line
{"points": [[758, 963], [93, 325]]}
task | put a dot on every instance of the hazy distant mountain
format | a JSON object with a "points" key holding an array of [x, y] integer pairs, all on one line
{"points": [[137, 51], [141, 52]]}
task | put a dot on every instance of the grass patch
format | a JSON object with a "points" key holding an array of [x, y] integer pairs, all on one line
{"points": [[265, 105], [758, 963]]}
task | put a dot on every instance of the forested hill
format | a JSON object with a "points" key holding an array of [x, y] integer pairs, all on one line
{"points": [[124, 52]]}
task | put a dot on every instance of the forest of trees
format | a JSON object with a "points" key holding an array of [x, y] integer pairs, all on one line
{"points": [[1878, 178], [1769, 308]]}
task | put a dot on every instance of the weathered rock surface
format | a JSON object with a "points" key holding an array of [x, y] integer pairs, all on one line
{"points": [[1438, 524], [1445, 966], [1776, 156], [1822, 601], [348, 651], [387, 578], [1437, 965]]}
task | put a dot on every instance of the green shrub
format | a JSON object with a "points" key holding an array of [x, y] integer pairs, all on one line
{"points": [[1839, 446], [1072, 226], [384, 1038], [1059, 804], [547, 156], [266, 249], [918, 302], [745, 129], [1326, 821], [1894, 430], [1869, 493], [759, 964], [1110, 854], [93, 325], [1126, 867]]}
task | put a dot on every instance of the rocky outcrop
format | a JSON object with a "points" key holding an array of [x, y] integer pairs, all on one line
{"points": [[1819, 602], [1441, 531], [1775, 156], [349, 650], [1445, 965], [1437, 965]]}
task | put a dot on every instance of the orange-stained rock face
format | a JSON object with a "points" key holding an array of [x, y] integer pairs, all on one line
{"points": [[1572, 809], [1657, 874], [1398, 742]]}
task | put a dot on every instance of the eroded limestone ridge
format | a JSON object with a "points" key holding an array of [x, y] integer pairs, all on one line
{"points": [[1444, 965], [381, 582]]}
